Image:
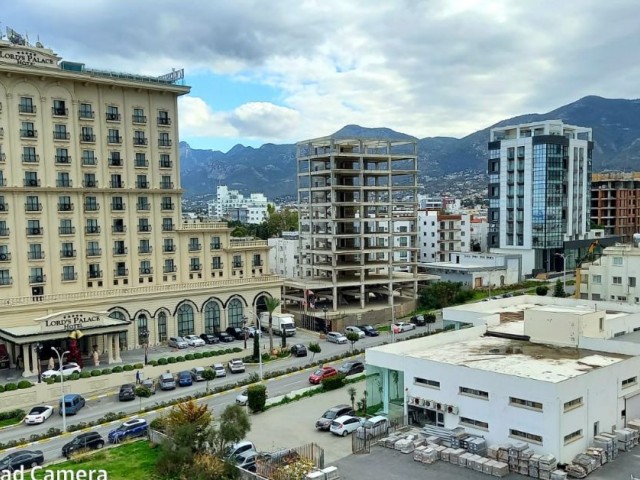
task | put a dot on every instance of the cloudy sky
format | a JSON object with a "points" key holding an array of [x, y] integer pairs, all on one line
{"points": [[286, 70]]}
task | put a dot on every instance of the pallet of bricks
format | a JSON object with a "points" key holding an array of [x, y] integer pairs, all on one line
{"points": [[627, 438]]}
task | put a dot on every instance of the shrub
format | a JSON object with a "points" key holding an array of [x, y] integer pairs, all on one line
{"points": [[257, 397], [217, 352], [197, 356], [96, 373], [9, 387], [106, 371], [206, 354], [51, 381], [180, 359], [188, 356], [85, 374], [229, 350], [171, 359], [12, 414], [24, 384], [162, 361], [542, 290], [153, 363], [138, 365], [236, 349], [333, 383], [128, 368], [1, 389], [117, 369], [74, 376]]}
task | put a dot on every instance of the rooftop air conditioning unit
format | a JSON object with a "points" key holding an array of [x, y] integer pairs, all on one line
{"points": [[417, 400], [453, 410], [441, 407]]}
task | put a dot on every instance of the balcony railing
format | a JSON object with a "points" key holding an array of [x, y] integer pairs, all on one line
{"points": [[90, 183], [118, 207], [37, 279], [169, 269], [164, 121], [4, 281], [118, 228], [141, 163], [142, 184], [95, 274], [27, 108], [168, 227], [139, 141], [217, 266], [4, 207], [66, 277], [31, 182], [145, 250], [94, 252], [166, 164], [237, 264], [169, 248], [33, 207], [215, 246], [35, 231], [90, 161], [143, 207], [5, 256], [4, 232], [87, 138], [195, 247], [166, 185], [115, 162], [59, 112], [65, 207], [86, 114], [194, 267], [257, 263], [28, 133], [120, 250], [92, 230], [57, 135], [114, 139], [164, 142], [63, 159], [116, 184], [67, 254], [112, 117], [144, 228], [139, 119], [146, 270], [64, 182], [91, 207], [29, 158], [167, 206], [121, 272], [35, 255], [66, 230]]}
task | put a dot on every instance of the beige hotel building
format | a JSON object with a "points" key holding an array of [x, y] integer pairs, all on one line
{"points": [[91, 231]]}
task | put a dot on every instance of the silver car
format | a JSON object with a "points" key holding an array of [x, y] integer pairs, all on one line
{"points": [[177, 342], [196, 374], [336, 337], [220, 370]]}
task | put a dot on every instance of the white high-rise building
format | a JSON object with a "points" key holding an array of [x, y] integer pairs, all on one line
{"points": [[539, 190], [440, 235], [232, 205], [284, 254]]}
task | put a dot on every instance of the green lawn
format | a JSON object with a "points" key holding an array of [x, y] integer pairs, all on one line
{"points": [[125, 462], [10, 421]]}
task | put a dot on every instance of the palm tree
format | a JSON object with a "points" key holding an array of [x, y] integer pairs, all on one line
{"points": [[271, 303]]}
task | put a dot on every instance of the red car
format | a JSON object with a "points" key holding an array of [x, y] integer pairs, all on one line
{"points": [[322, 373]]}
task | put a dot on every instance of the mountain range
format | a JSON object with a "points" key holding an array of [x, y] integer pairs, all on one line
{"points": [[271, 168]]}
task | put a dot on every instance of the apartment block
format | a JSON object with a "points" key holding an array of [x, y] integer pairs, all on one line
{"points": [[615, 198]]}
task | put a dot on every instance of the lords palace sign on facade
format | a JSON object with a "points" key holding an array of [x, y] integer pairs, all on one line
{"points": [[24, 57]]}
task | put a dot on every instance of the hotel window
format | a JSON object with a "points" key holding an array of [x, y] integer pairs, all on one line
{"points": [[35, 252], [165, 182], [66, 227], [88, 157], [194, 264], [145, 267], [164, 140], [530, 437], [59, 108], [194, 244], [474, 423], [632, 281], [94, 270], [145, 246], [617, 261], [32, 204], [139, 138], [67, 250], [143, 332], [165, 160], [93, 249], [596, 279], [168, 246], [85, 111], [141, 160], [143, 204], [163, 118], [116, 181], [64, 203], [62, 155], [257, 260], [617, 280], [629, 382], [90, 180], [63, 180], [571, 404], [519, 402], [167, 224], [26, 105], [572, 436], [28, 130], [169, 267], [68, 273], [5, 278], [31, 179], [113, 136], [87, 135], [29, 155], [112, 114], [162, 327], [92, 226], [138, 116], [60, 132], [426, 382], [216, 263], [141, 181], [117, 204], [143, 225], [474, 393], [215, 243], [237, 261]]}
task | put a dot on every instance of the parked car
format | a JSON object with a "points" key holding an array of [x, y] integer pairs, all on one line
{"points": [[67, 369], [351, 367], [127, 392], [236, 366], [253, 331], [219, 369], [194, 341], [238, 448], [418, 320], [369, 331], [84, 441], [242, 398], [403, 326], [345, 425], [166, 381], [177, 342], [21, 459], [225, 337], [72, 404], [247, 460], [209, 338], [136, 427], [235, 332], [373, 426], [184, 379], [150, 384], [336, 337], [353, 329], [196, 374], [298, 350], [38, 415], [322, 373], [324, 422]]}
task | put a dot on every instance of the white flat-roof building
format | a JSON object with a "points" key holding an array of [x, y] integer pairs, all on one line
{"points": [[550, 372], [284, 254], [232, 205], [478, 270]]}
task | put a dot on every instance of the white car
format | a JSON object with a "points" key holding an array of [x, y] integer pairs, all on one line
{"points": [[403, 326], [236, 366], [194, 341], [242, 398], [345, 425], [220, 370], [354, 330], [373, 427], [253, 331], [336, 337], [38, 415], [67, 369]]}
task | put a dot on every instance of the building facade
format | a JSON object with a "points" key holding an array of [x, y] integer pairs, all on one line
{"points": [[442, 234], [284, 254], [91, 231], [539, 190], [478, 270], [232, 205], [615, 198]]}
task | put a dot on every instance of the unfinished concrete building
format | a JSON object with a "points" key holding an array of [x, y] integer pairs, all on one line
{"points": [[357, 202], [614, 203]]}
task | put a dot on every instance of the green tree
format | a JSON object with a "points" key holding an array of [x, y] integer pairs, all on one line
{"points": [[209, 374], [352, 396], [439, 295], [430, 318], [190, 413], [271, 303], [542, 290], [257, 397], [314, 347], [256, 344], [233, 426], [353, 337], [142, 392], [558, 289]]}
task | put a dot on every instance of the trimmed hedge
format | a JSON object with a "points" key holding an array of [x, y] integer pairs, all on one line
{"points": [[96, 373], [163, 361], [333, 383], [24, 384], [17, 413], [127, 368], [106, 371], [10, 387], [180, 359], [188, 356], [116, 369]]}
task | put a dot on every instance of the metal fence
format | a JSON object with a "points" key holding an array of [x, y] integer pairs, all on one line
{"points": [[269, 464], [362, 443]]}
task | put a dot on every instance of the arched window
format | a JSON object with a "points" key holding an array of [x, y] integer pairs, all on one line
{"points": [[122, 335], [162, 327], [235, 313], [211, 318], [185, 320], [143, 329]]}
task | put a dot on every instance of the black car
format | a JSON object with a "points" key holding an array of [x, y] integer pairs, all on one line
{"points": [[225, 337], [236, 333], [324, 422], [84, 441], [22, 458], [298, 350], [209, 338], [418, 320], [127, 392], [368, 330], [351, 367]]}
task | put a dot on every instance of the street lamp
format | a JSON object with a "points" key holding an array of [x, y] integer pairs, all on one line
{"points": [[62, 405], [245, 320], [258, 332], [325, 310], [38, 347], [144, 336]]}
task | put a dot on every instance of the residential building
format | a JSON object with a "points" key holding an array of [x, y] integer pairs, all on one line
{"points": [[441, 234], [91, 232], [479, 233], [539, 190], [551, 372], [284, 254], [478, 270], [615, 203], [232, 205]]}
